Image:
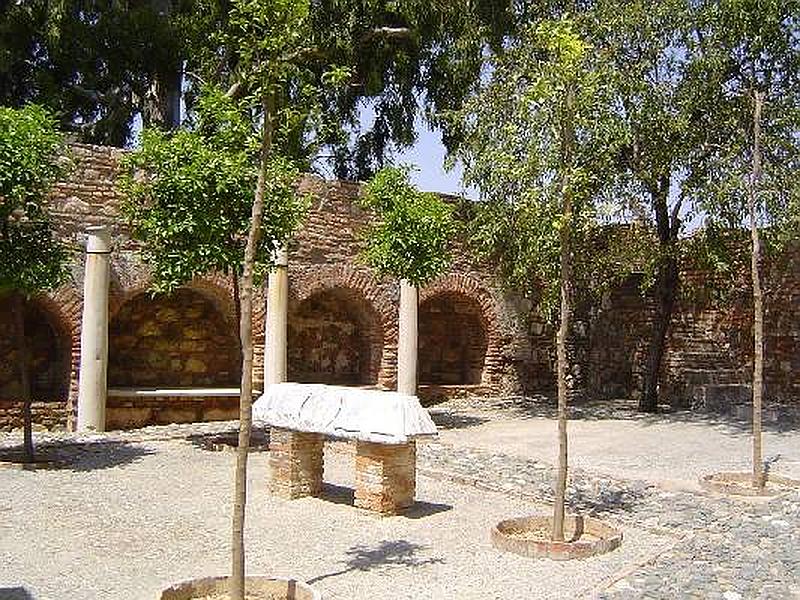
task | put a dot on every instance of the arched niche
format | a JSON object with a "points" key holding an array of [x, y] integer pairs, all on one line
{"points": [[453, 340], [49, 347], [335, 337]]}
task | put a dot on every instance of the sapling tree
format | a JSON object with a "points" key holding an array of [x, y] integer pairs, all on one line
{"points": [[31, 259], [409, 240], [747, 56], [538, 136], [269, 48]]}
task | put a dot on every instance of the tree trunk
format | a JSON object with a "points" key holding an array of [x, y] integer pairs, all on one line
{"points": [[666, 293], [162, 102], [565, 236], [23, 363], [237, 303], [758, 301], [246, 336]]}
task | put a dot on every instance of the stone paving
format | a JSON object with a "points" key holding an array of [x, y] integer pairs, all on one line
{"points": [[723, 548]]}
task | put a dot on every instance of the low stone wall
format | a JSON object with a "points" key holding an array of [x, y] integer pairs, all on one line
{"points": [[132, 412], [46, 415]]}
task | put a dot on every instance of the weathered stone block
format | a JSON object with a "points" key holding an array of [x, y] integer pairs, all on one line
{"points": [[385, 476], [296, 463]]}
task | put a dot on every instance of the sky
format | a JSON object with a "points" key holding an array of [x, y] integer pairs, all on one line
{"points": [[427, 155]]}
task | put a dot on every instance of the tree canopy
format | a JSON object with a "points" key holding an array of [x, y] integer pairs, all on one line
{"points": [[101, 65], [410, 238], [190, 193], [514, 154], [30, 161]]}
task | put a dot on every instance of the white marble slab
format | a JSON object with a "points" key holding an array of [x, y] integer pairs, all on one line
{"points": [[344, 412]]}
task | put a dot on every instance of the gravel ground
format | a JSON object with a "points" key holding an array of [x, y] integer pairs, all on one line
{"points": [[129, 518], [143, 509], [673, 449]]}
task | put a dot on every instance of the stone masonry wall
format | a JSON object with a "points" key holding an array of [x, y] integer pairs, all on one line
{"points": [[452, 342], [333, 296], [708, 362], [343, 322], [334, 337], [174, 341]]}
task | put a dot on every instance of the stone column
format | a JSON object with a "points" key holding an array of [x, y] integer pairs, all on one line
{"points": [[92, 385], [385, 476], [407, 339], [277, 317], [296, 463]]}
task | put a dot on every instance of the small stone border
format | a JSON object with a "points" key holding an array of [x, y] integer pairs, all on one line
{"points": [[266, 588], [608, 538], [229, 442], [740, 484]]}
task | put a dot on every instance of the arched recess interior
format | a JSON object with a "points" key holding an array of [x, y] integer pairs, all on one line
{"points": [[334, 336], [179, 340], [49, 348], [453, 340]]}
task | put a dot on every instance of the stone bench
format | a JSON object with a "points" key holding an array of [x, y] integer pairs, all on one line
{"points": [[383, 425], [129, 408]]}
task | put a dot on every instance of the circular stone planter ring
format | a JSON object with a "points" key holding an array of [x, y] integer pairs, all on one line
{"points": [[530, 536], [256, 588], [741, 484]]}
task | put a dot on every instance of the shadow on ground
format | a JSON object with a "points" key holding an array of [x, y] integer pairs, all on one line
{"points": [[339, 494], [454, 420], [394, 553], [544, 406], [76, 457], [15, 593]]}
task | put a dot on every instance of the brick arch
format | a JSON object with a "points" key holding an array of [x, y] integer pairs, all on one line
{"points": [[459, 327], [305, 284], [335, 336], [50, 335], [179, 340], [379, 296], [457, 283]]}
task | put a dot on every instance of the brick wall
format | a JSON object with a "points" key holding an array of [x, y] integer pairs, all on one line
{"points": [[343, 321]]}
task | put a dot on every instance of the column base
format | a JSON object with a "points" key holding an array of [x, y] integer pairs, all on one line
{"points": [[296, 463], [385, 476]]}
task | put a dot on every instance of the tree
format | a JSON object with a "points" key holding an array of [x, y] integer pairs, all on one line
{"points": [[33, 260], [747, 56], [409, 241], [274, 86], [97, 65], [538, 139], [411, 237], [666, 126], [196, 199]]}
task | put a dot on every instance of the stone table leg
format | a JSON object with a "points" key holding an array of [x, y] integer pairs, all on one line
{"points": [[296, 462], [386, 476]]}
